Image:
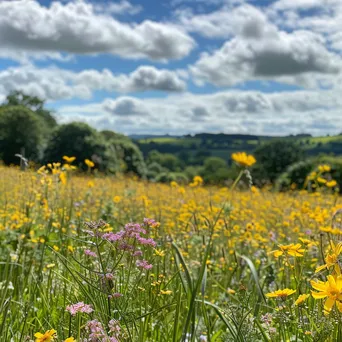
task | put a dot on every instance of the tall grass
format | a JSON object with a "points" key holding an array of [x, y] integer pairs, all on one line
{"points": [[72, 261]]}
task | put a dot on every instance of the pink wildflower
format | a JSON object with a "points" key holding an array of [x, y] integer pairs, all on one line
{"points": [[90, 253], [143, 264], [79, 307]]}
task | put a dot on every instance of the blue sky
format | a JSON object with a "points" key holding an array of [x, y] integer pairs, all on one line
{"points": [[179, 66]]}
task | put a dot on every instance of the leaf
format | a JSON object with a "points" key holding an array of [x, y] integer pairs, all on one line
{"points": [[180, 260], [256, 279]]}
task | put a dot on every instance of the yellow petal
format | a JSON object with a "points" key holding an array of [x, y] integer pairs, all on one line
{"points": [[339, 306], [320, 268], [329, 303], [319, 285], [277, 254], [318, 295]]}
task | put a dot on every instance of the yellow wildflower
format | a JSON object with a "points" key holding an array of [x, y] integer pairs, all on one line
{"points": [[89, 163], [173, 184], [280, 293], [295, 250], [331, 289], [301, 299], [324, 168], [116, 199], [46, 337], [331, 184], [321, 180], [167, 292], [243, 159], [331, 259], [63, 178], [68, 160], [159, 252]]}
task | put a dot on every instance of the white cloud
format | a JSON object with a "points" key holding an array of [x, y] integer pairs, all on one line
{"points": [[282, 5], [256, 48], [299, 57], [55, 84], [124, 106], [27, 28], [176, 3], [226, 22], [250, 112], [321, 16], [115, 8]]}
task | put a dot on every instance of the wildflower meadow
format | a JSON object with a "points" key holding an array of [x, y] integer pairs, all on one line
{"points": [[94, 258]]}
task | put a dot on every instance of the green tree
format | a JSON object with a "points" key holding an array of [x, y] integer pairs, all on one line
{"points": [[154, 170], [128, 153], [200, 156], [34, 103], [215, 170], [20, 129], [274, 157], [166, 160], [84, 142]]}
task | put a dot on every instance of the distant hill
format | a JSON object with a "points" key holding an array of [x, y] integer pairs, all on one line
{"points": [[150, 136], [223, 145]]}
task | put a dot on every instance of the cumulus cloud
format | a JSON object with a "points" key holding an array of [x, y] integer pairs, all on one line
{"points": [[55, 84], [150, 78], [321, 16], [116, 8], [226, 22], [28, 28], [282, 5], [124, 106], [278, 56], [256, 48], [230, 112]]}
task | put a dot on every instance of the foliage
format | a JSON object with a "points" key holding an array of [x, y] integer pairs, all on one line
{"points": [[194, 149], [297, 174], [215, 170], [34, 103], [273, 159], [79, 139], [20, 130], [127, 152], [168, 177], [153, 170], [166, 160], [192, 171]]}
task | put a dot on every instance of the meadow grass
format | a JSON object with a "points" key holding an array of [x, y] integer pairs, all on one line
{"points": [[93, 258]]}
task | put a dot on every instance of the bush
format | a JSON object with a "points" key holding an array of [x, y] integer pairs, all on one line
{"points": [[166, 160], [127, 152], [298, 172], [153, 170], [295, 174], [20, 129], [192, 171], [215, 170], [80, 140], [167, 177], [274, 158]]}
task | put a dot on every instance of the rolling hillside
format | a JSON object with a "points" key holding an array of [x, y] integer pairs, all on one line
{"points": [[222, 145]]}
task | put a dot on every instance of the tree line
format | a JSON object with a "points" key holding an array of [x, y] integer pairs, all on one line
{"points": [[28, 129]]}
